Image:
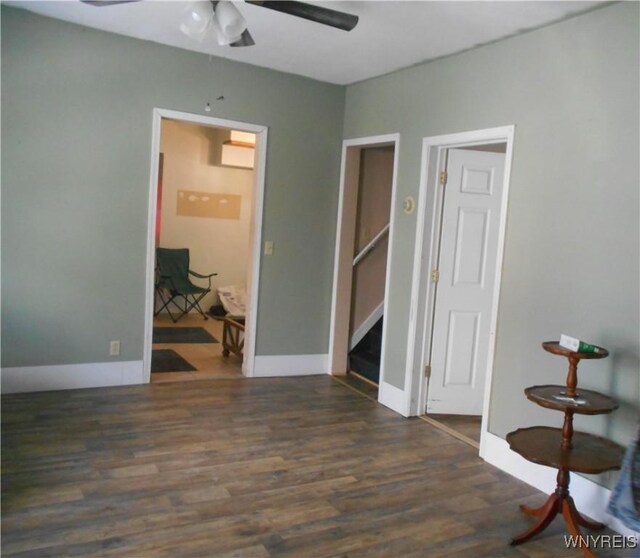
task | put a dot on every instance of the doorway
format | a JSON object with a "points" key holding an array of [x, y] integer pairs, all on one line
{"points": [[464, 195], [192, 206], [205, 195], [363, 252]]}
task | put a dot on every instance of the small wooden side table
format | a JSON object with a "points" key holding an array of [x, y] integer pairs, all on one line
{"points": [[232, 335], [564, 449]]}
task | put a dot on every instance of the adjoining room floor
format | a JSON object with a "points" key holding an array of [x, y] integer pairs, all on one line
{"points": [[268, 467], [205, 357]]}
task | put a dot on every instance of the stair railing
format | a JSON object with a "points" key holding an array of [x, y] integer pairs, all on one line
{"points": [[371, 245]]}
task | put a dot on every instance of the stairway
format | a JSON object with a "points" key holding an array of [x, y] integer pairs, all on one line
{"points": [[365, 356]]}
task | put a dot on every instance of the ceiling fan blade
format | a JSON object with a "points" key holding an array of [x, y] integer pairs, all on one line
{"points": [[102, 3], [245, 40], [318, 14]]}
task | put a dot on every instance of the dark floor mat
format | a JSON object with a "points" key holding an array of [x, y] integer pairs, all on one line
{"points": [[166, 360], [182, 335]]}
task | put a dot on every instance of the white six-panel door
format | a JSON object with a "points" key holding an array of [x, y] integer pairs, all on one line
{"points": [[465, 288]]}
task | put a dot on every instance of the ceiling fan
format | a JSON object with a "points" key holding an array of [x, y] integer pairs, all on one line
{"points": [[231, 28]]}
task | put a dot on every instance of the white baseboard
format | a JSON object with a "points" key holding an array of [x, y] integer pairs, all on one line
{"points": [[590, 498], [70, 376], [393, 397], [290, 365]]}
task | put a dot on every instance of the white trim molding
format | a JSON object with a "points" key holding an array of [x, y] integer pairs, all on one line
{"points": [[290, 365], [392, 397], [256, 228], [337, 346], [422, 294], [590, 498], [365, 326], [71, 376]]}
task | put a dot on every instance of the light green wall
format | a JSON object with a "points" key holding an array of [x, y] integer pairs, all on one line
{"points": [[76, 127], [76, 140], [572, 242]]}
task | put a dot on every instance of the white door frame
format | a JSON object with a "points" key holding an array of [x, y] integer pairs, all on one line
{"points": [[422, 290], [253, 272], [337, 354]]}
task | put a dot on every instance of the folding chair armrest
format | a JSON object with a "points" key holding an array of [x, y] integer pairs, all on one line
{"points": [[202, 276]]}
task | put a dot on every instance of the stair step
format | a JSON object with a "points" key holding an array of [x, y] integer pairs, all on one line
{"points": [[365, 356], [372, 341], [372, 351], [375, 334], [370, 355], [365, 365]]}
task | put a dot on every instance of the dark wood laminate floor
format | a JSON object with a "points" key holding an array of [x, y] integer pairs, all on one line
{"points": [[468, 426], [298, 467], [356, 382]]}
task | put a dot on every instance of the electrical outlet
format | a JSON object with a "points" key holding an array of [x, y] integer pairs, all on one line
{"points": [[268, 248], [114, 348]]}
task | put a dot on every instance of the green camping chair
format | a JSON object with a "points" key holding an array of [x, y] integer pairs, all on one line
{"points": [[173, 286]]}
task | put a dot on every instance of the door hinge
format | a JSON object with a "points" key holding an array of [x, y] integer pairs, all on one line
{"points": [[435, 276], [444, 176], [427, 371]]}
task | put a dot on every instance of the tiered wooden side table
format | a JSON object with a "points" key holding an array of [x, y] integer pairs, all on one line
{"points": [[564, 449]]}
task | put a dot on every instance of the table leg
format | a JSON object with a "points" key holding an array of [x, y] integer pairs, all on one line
{"points": [[545, 515], [536, 512], [572, 519], [583, 521], [558, 502]]}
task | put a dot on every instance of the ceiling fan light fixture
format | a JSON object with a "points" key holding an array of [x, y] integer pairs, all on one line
{"points": [[245, 40], [228, 23], [198, 17]]}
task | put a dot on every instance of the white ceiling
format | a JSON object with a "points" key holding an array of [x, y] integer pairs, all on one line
{"points": [[390, 34]]}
